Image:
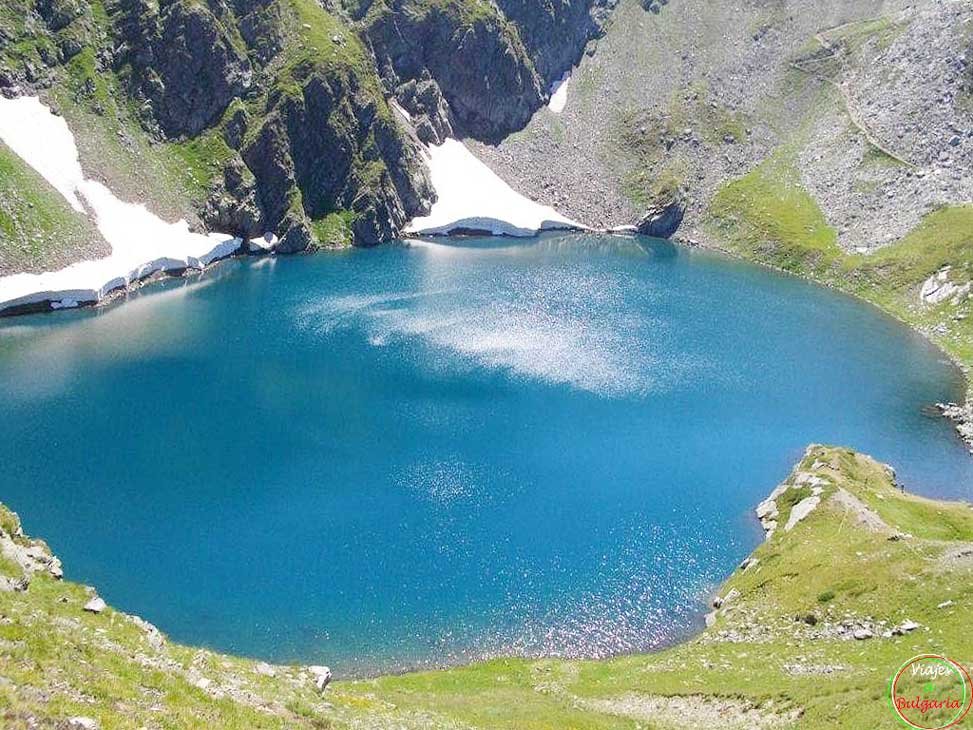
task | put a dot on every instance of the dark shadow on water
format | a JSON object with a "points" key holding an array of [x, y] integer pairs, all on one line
{"points": [[658, 248]]}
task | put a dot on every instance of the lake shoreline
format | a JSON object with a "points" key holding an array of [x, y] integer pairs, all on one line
{"points": [[763, 622], [960, 414]]}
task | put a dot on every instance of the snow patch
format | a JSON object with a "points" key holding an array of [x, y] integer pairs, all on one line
{"points": [[142, 244], [43, 141], [471, 197], [559, 93]]}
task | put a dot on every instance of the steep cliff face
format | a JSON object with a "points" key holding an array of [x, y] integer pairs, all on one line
{"points": [[555, 32], [272, 109], [493, 64], [476, 58], [254, 116], [309, 123], [185, 63], [358, 162]]}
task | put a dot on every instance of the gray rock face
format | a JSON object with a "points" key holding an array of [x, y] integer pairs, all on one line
{"points": [[304, 167], [58, 14], [555, 33], [481, 67], [261, 27], [430, 114], [661, 221], [233, 205], [195, 70]]}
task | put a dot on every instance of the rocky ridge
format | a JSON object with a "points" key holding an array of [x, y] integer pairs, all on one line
{"points": [[274, 116], [874, 99]]}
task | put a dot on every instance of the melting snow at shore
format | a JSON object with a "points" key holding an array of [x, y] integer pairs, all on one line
{"points": [[471, 197], [474, 198], [141, 243]]}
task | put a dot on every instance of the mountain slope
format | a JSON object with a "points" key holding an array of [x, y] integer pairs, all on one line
{"points": [[271, 116]]}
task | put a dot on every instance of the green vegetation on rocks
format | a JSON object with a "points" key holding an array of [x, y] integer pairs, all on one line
{"points": [[807, 633], [167, 102]]}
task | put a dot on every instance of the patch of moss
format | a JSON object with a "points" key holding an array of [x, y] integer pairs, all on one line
{"points": [[334, 230]]}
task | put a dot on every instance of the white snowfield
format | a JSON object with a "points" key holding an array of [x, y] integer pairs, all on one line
{"points": [[471, 197], [559, 93], [141, 243]]}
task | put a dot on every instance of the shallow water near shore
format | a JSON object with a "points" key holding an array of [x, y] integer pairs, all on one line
{"points": [[419, 455]]}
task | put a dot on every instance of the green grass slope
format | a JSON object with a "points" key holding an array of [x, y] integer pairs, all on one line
{"points": [[38, 229], [769, 217], [780, 651]]}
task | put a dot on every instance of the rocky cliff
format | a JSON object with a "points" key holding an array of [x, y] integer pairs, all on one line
{"points": [[272, 116]]}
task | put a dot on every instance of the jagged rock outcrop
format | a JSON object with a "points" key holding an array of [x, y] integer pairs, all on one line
{"points": [[296, 94], [369, 171], [322, 142], [58, 14], [477, 59], [662, 220], [234, 204], [186, 64], [24, 556], [430, 114], [261, 26], [555, 32], [198, 67]]}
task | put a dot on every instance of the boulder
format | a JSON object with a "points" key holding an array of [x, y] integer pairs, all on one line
{"points": [[95, 605], [321, 676], [661, 220], [82, 723]]}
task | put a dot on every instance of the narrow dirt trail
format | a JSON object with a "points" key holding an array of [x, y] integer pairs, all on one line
{"points": [[842, 88]]}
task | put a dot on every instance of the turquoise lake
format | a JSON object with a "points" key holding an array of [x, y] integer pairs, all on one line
{"points": [[419, 455]]}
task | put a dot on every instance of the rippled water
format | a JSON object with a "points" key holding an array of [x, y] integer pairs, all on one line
{"points": [[418, 455]]}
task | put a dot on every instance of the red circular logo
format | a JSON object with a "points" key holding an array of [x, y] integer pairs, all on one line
{"points": [[931, 692]]}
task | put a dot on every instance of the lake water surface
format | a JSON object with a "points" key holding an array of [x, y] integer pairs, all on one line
{"points": [[425, 454]]}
